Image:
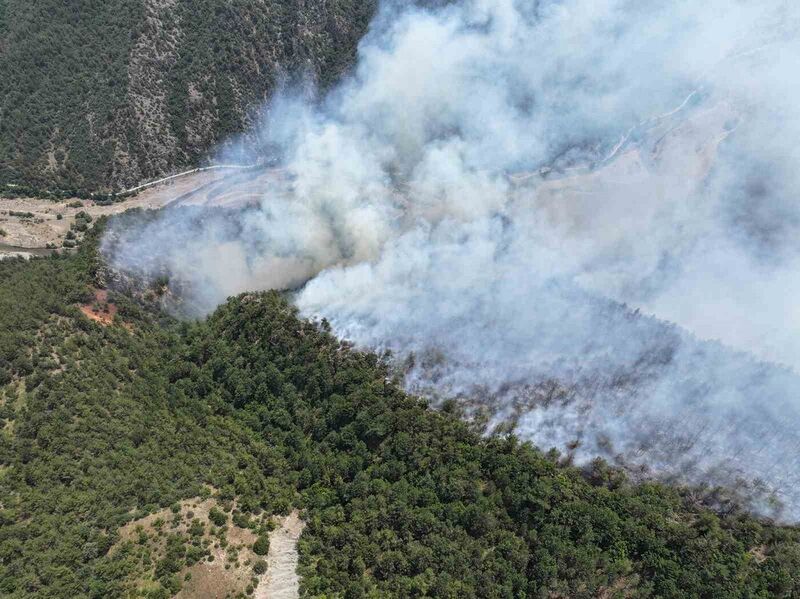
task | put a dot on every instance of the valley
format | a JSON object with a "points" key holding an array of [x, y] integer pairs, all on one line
{"points": [[441, 299], [36, 226]]}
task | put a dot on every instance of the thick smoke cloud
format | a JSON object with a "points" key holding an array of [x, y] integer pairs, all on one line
{"points": [[578, 216]]}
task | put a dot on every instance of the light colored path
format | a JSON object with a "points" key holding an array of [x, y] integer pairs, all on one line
{"points": [[189, 172], [281, 580]]}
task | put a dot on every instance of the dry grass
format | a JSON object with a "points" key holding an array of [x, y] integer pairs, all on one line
{"points": [[228, 570], [208, 188]]}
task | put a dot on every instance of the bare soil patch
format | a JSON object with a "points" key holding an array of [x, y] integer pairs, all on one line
{"points": [[282, 581], [226, 566], [36, 224], [100, 309]]}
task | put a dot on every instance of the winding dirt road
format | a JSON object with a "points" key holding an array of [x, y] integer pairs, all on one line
{"points": [[201, 169]]}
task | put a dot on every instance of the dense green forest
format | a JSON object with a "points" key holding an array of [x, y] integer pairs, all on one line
{"points": [[97, 95], [105, 424]]}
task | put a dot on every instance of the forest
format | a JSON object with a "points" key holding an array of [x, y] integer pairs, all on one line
{"points": [[106, 422], [97, 95]]}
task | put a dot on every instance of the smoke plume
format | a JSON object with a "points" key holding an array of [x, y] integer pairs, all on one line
{"points": [[577, 216]]}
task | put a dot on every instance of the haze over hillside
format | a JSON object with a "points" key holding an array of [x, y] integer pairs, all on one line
{"points": [[502, 191], [145, 457], [504, 310]]}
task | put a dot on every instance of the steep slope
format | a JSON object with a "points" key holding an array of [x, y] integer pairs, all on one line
{"points": [[98, 95], [105, 425]]}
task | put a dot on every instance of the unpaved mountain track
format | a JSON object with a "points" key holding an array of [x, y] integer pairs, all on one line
{"points": [[190, 172], [281, 580]]}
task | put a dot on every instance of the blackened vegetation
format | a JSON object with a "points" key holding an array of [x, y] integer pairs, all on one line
{"points": [[103, 425]]}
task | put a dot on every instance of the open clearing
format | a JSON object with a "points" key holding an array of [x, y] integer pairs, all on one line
{"points": [[227, 570], [31, 226], [282, 581]]}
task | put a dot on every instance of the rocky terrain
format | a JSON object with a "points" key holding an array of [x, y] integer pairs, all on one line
{"points": [[99, 96]]}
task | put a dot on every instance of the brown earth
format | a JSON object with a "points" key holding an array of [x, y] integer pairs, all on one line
{"points": [[100, 310], [44, 230], [227, 570]]}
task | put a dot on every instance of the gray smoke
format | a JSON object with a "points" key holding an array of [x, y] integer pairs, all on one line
{"points": [[578, 216]]}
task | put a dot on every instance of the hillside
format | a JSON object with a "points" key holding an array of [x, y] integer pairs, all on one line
{"points": [[102, 94], [504, 315], [109, 421]]}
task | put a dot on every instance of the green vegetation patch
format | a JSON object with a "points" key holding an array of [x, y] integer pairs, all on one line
{"points": [[107, 424], [98, 95]]}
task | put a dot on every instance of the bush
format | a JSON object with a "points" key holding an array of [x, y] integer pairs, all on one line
{"points": [[218, 517], [261, 546], [260, 567], [196, 529], [241, 520]]}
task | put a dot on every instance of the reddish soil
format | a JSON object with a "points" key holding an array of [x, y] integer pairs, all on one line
{"points": [[100, 310]]}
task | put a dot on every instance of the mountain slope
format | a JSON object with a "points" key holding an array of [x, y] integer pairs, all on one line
{"points": [[107, 424], [99, 95]]}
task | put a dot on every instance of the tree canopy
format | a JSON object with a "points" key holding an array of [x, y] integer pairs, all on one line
{"points": [[106, 424]]}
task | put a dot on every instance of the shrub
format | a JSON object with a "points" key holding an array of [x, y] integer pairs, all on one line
{"points": [[261, 546], [218, 517], [196, 529], [241, 520], [260, 567]]}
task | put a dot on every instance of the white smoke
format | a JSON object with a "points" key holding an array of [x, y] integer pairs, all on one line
{"points": [[498, 187]]}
